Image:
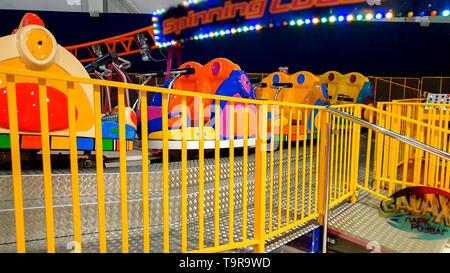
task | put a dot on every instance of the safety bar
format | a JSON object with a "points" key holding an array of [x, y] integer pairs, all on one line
{"points": [[344, 97], [152, 74], [282, 85], [182, 71], [261, 84], [105, 59]]}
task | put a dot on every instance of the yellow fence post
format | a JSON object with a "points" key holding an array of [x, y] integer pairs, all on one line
{"points": [[15, 163], [355, 151], [322, 165], [260, 178], [46, 165]]}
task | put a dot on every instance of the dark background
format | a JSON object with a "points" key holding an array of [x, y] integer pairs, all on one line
{"points": [[371, 48]]}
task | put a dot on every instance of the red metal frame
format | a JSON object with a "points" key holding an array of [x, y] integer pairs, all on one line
{"points": [[126, 40]]}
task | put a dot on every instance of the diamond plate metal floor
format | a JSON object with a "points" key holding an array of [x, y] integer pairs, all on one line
{"points": [[361, 224]]}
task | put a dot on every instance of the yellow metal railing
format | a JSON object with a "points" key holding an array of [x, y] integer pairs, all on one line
{"points": [[439, 85], [287, 195], [398, 165], [390, 88], [295, 214]]}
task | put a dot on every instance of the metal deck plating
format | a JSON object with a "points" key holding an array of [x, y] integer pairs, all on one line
{"points": [[362, 224]]}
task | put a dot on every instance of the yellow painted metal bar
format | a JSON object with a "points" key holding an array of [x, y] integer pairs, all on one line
{"points": [[318, 155], [369, 150], [387, 144], [217, 173], [165, 126], [447, 148], [420, 130], [406, 150], [372, 192], [336, 139], [396, 182], [349, 152], [46, 165], [426, 180], [245, 176], [280, 165], [273, 110], [341, 152], [288, 185], [404, 88], [201, 179], [352, 149], [432, 164], [184, 175], [231, 179], [443, 146], [394, 152], [74, 165], [356, 142], [145, 181], [305, 128], [291, 226], [227, 247], [323, 132], [342, 198], [260, 179], [311, 144], [99, 169], [379, 145], [438, 144], [123, 169], [332, 163], [15, 163], [390, 88], [297, 136], [347, 149]]}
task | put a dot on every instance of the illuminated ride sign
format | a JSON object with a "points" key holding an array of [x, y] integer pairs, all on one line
{"points": [[202, 19], [423, 211]]}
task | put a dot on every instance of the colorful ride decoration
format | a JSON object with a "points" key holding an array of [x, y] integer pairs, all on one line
{"points": [[302, 87], [220, 76], [349, 88], [33, 47]]}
